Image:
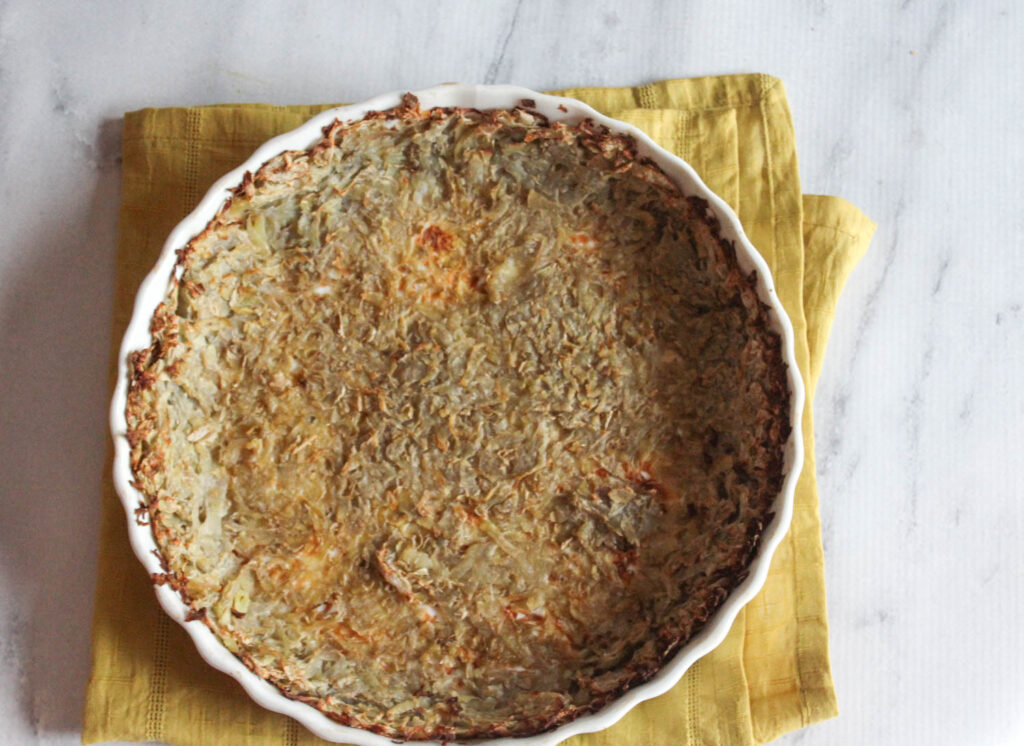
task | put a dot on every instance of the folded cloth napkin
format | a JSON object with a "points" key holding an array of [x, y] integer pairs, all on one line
{"points": [[771, 675]]}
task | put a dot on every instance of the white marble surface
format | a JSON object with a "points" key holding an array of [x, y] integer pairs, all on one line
{"points": [[911, 110]]}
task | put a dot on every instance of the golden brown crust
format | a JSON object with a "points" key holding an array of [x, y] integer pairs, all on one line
{"points": [[458, 423]]}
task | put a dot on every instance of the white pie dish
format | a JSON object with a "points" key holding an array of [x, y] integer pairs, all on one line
{"points": [[152, 292]]}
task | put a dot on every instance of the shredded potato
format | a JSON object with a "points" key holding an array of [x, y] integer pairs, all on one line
{"points": [[458, 423]]}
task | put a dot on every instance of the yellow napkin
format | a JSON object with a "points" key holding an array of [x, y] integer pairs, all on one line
{"points": [[770, 676]]}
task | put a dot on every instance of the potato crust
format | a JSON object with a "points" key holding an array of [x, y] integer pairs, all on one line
{"points": [[459, 423]]}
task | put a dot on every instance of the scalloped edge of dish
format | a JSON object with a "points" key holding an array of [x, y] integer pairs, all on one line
{"points": [[152, 291]]}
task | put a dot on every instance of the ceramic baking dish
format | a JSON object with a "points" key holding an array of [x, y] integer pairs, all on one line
{"points": [[566, 110]]}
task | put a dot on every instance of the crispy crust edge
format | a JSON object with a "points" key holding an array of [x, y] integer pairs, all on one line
{"points": [[600, 139]]}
